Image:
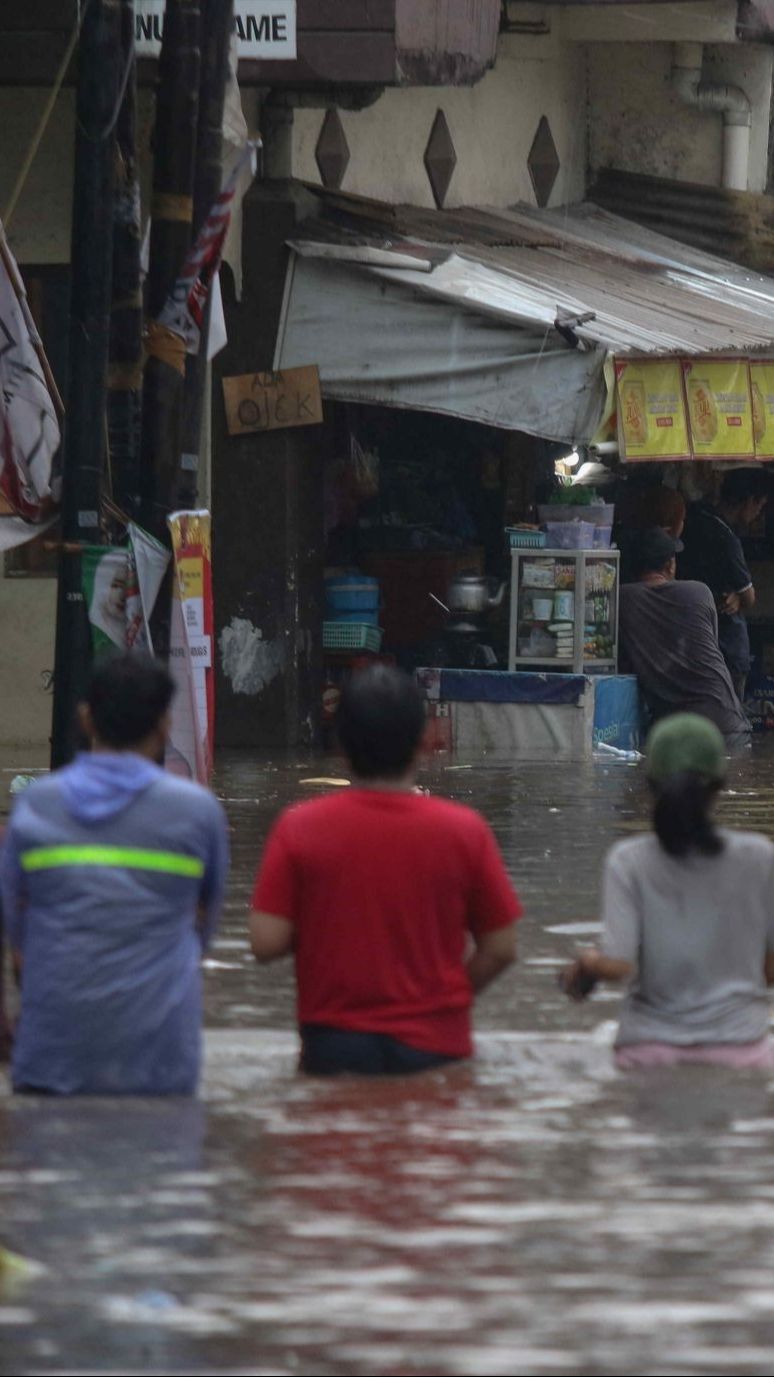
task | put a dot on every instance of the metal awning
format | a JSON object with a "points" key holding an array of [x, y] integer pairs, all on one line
{"points": [[630, 290], [503, 317]]}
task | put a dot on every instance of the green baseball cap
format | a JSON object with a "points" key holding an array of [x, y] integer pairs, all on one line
{"points": [[685, 742]]}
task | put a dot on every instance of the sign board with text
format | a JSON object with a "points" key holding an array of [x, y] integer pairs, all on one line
{"points": [[719, 404], [651, 409], [762, 389], [273, 401], [265, 29]]}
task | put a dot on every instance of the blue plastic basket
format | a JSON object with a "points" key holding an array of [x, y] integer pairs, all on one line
{"points": [[352, 636], [526, 540], [366, 616]]}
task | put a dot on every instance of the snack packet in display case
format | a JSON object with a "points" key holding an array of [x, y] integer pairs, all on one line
{"points": [[538, 573]]}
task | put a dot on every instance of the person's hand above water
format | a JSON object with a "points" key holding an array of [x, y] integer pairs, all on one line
{"points": [[577, 980], [580, 977]]}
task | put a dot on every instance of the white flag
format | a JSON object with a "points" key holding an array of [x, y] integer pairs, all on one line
{"points": [[147, 565], [183, 311], [29, 429]]}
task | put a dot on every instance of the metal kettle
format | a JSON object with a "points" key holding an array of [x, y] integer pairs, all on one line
{"points": [[471, 594]]}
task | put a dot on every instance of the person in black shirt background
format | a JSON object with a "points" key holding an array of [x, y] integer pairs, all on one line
{"points": [[713, 555]]}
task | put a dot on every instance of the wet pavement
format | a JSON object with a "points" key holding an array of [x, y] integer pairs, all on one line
{"points": [[535, 1212]]}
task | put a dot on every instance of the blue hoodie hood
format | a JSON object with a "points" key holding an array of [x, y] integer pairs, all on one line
{"points": [[96, 787]]}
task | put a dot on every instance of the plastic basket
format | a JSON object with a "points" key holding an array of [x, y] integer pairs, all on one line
{"points": [[603, 537], [526, 540], [365, 616], [570, 535], [352, 636], [598, 513]]}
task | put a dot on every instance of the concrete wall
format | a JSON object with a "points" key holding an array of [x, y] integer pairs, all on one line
{"points": [[492, 126], [27, 613], [638, 124]]}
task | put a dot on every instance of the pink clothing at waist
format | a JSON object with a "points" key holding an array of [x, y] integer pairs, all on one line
{"points": [[740, 1056]]}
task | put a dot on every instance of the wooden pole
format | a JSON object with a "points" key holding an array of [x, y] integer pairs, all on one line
{"points": [[171, 231], [217, 26], [124, 402], [84, 440]]}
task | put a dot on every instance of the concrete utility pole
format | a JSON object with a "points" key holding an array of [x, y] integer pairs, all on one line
{"points": [[172, 212], [217, 27], [99, 62]]}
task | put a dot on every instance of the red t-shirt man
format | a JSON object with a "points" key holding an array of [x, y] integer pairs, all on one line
{"points": [[397, 908]]}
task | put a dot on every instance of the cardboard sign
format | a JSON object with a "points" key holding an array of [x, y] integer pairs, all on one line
{"points": [[264, 28], [651, 409], [719, 408], [273, 401]]}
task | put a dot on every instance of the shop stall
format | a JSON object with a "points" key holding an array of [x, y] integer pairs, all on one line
{"points": [[462, 354]]}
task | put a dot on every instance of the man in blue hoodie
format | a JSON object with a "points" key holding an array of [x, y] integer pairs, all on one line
{"points": [[113, 874]]}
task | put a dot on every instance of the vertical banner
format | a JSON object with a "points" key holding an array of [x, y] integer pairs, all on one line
{"points": [[190, 656], [651, 410], [762, 389], [120, 587], [719, 408], [104, 577]]}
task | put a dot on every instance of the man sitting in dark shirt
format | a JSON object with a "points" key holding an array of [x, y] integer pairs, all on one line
{"points": [[713, 555], [669, 636]]}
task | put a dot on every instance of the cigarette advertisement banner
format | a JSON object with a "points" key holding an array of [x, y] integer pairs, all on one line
{"points": [[190, 657], [651, 410], [719, 408], [762, 389], [695, 409]]}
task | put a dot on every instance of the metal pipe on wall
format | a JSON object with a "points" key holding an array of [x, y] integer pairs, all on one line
{"points": [[730, 101]]}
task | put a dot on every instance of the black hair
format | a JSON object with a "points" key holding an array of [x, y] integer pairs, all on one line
{"points": [[681, 816], [380, 720], [741, 484], [648, 551], [128, 695]]}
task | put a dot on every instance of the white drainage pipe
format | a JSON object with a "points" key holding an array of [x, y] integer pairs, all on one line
{"points": [[730, 101]]}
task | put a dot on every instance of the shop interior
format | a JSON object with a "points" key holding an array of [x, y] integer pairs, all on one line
{"points": [[419, 563], [419, 503]]}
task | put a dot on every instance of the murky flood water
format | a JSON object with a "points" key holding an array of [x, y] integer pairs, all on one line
{"points": [[535, 1212]]}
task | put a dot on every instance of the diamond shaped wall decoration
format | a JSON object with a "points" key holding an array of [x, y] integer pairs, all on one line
{"points": [[440, 158], [332, 151], [543, 162]]}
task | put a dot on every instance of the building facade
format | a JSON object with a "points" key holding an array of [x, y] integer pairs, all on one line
{"points": [[452, 104]]}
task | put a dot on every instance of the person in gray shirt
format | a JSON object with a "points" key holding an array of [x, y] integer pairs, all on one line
{"points": [[669, 637], [687, 919]]}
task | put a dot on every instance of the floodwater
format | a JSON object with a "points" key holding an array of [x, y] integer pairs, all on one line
{"points": [[535, 1212]]}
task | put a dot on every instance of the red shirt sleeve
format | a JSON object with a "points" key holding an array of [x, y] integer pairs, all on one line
{"points": [[276, 884], [494, 902]]}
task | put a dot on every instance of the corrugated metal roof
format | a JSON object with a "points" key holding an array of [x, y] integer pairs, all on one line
{"points": [[613, 282], [737, 225]]}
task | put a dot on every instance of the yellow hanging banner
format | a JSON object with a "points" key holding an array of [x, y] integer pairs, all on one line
{"points": [[651, 410], [719, 408], [762, 388]]}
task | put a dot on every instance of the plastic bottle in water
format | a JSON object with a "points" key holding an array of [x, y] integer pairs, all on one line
{"points": [[611, 753]]}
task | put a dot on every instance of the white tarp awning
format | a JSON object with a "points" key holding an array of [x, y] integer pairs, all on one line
{"points": [[381, 341]]}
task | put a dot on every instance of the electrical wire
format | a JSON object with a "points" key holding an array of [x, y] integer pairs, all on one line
{"points": [[47, 112]]}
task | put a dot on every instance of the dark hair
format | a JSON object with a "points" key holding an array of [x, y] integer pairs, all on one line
{"points": [[681, 815], [741, 484], [380, 720], [128, 696]]}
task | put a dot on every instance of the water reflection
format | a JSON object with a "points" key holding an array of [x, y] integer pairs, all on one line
{"points": [[532, 1213]]}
